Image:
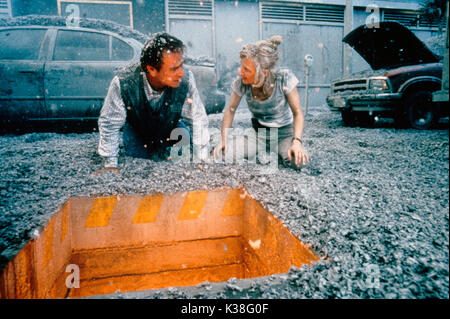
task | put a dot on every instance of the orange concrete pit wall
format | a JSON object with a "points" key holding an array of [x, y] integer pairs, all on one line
{"points": [[131, 243]]}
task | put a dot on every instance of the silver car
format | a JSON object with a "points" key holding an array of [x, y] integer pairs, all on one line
{"points": [[62, 74]]}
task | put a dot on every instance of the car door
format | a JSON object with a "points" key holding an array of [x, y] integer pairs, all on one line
{"points": [[21, 74], [80, 70]]}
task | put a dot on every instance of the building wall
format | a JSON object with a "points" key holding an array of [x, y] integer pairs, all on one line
{"points": [[194, 24], [26, 7], [5, 8], [235, 25], [222, 31], [147, 16]]}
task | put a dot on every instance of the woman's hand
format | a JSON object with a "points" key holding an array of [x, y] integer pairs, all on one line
{"points": [[297, 154], [228, 117], [219, 150]]}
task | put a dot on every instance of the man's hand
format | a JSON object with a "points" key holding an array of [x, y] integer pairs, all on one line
{"points": [[107, 169], [297, 154]]}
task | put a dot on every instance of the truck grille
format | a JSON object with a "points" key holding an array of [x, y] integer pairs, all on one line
{"points": [[350, 85]]}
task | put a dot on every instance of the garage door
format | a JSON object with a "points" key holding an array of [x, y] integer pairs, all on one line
{"points": [[5, 9], [192, 21], [307, 29]]}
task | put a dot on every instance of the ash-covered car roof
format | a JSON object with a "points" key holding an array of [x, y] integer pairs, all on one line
{"points": [[97, 24]]}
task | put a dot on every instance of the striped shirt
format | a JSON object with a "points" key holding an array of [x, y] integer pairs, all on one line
{"points": [[113, 115]]}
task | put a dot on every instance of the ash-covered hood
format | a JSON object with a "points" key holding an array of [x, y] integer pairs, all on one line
{"points": [[390, 45]]}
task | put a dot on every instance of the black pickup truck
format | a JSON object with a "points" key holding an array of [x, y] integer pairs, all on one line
{"points": [[405, 73]]}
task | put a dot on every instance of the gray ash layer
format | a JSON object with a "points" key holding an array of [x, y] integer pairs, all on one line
{"points": [[97, 24], [369, 198]]}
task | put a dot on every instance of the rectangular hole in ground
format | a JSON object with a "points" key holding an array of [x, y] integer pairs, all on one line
{"points": [[132, 243]]}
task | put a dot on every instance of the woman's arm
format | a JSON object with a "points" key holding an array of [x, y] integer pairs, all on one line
{"points": [[296, 150], [228, 115], [227, 121]]}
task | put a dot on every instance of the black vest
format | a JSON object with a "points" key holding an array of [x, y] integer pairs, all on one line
{"points": [[152, 120]]}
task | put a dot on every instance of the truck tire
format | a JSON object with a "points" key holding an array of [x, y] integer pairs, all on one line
{"points": [[422, 114]]}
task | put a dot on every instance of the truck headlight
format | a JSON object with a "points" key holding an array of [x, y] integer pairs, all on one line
{"points": [[378, 85]]}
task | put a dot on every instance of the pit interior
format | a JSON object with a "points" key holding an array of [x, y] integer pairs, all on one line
{"points": [[132, 243]]}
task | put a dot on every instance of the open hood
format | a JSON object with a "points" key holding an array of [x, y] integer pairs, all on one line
{"points": [[389, 46]]}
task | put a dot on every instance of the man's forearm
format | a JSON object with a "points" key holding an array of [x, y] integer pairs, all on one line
{"points": [[111, 161], [108, 146], [111, 119], [200, 152]]}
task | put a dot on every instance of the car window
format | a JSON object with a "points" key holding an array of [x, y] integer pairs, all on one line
{"points": [[21, 44], [121, 51], [81, 46]]}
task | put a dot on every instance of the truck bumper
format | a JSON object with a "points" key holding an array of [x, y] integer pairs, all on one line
{"points": [[440, 96], [382, 102]]}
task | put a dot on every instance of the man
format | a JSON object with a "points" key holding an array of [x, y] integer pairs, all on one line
{"points": [[153, 98]]}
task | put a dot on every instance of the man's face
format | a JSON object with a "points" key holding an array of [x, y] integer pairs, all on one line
{"points": [[170, 73], [247, 71]]}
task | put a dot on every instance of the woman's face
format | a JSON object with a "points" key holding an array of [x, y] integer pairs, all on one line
{"points": [[247, 71]]}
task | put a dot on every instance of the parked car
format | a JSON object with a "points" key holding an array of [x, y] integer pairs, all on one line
{"points": [[62, 74], [404, 74]]}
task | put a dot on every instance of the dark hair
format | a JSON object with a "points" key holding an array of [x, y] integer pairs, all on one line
{"points": [[152, 52]]}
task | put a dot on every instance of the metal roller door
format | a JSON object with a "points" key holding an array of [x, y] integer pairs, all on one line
{"points": [[307, 29], [193, 22]]}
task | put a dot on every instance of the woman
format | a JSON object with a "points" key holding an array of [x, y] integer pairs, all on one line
{"points": [[273, 100]]}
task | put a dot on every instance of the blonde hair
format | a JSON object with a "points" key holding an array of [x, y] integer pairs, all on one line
{"points": [[265, 55]]}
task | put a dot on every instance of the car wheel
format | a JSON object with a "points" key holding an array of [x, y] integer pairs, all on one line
{"points": [[421, 113], [348, 118]]}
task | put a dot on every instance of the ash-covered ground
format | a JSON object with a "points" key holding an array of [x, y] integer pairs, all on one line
{"points": [[373, 204]]}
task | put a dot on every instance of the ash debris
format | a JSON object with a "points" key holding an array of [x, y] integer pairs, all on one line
{"points": [[372, 201]]}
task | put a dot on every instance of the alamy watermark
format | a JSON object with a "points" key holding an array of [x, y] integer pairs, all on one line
{"points": [[73, 280], [373, 20], [370, 279], [249, 147], [372, 276], [73, 15]]}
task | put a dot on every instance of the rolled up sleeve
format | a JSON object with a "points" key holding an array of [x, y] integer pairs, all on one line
{"points": [[194, 116], [237, 86], [290, 81], [112, 118]]}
